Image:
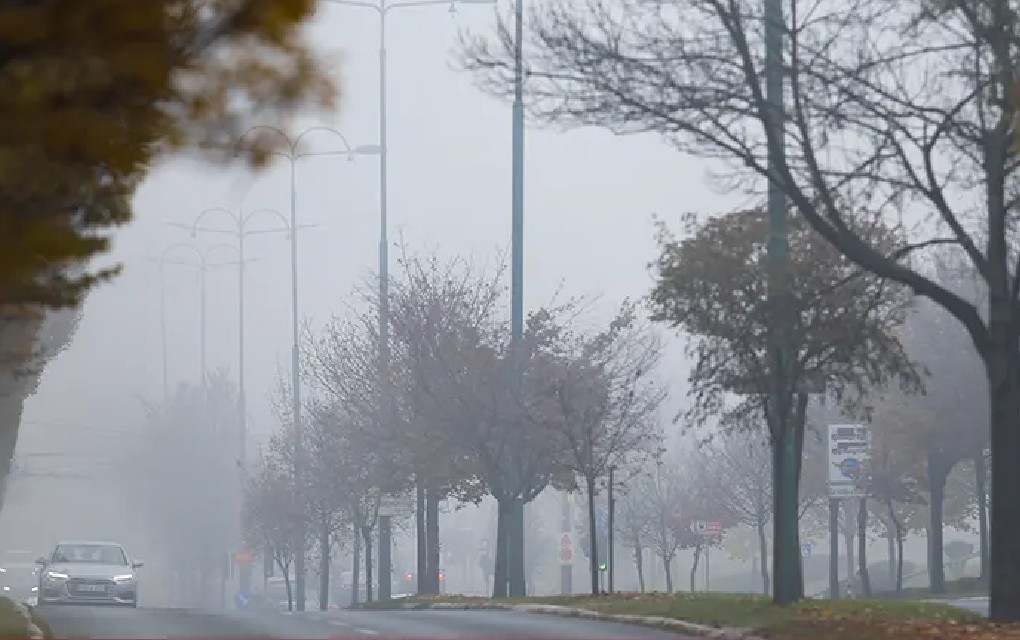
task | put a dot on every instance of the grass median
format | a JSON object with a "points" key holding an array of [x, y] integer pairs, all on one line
{"points": [[807, 620], [13, 623]]}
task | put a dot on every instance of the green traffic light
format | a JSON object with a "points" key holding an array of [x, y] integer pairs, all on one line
{"points": [[603, 566]]}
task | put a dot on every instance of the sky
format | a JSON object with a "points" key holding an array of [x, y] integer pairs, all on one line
{"points": [[590, 198]]}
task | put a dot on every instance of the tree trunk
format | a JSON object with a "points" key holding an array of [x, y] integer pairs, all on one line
{"points": [[432, 541], [366, 534], [937, 476], [694, 568], [639, 563], [786, 424], [593, 545], [499, 583], [981, 485], [285, 569], [422, 539], [356, 567], [862, 550], [890, 538], [1003, 365], [763, 550], [324, 556], [667, 567]]}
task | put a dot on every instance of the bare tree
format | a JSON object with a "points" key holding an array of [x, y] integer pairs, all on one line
{"points": [[740, 471], [632, 528], [897, 110], [664, 495], [449, 319], [272, 515], [601, 404]]}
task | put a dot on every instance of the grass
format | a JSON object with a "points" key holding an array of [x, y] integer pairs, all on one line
{"points": [[13, 624], [808, 620]]}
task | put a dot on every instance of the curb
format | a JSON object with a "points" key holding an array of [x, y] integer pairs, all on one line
{"points": [[34, 631], [658, 622]]}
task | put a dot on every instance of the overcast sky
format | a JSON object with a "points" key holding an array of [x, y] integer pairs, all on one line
{"points": [[590, 197]]}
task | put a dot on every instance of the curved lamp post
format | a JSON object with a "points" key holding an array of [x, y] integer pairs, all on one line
{"points": [[292, 154], [203, 265]]}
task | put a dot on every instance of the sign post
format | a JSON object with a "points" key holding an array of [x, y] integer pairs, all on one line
{"points": [[848, 454], [707, 529], [389, 507]]}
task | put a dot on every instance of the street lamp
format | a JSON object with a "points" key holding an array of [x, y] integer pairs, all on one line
{"points": [[383, 8], [203, 265], [240, 231], [292, 155]]}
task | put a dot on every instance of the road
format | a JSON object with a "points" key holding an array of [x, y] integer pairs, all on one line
{"points": [[107, 622]]}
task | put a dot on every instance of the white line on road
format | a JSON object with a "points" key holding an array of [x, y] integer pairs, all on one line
{"points": [[368, 632], [337, 623]]}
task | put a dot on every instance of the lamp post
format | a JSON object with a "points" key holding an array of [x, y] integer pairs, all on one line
{"points": [[203, 265], [515, 536], [383, 8], [240, 231], [787, 587], [292, 155]]}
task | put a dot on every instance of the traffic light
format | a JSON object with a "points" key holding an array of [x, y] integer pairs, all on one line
{"points": [[603, 566], [408, 576], [442, 576]]}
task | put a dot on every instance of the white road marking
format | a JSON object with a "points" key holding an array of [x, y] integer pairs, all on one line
{"points": [[368, 632], [337, 623]]}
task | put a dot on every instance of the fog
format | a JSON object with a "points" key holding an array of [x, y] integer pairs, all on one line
{"points": [[92, 463]]}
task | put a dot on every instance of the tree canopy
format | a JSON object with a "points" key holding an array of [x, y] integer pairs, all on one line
{"points": [[93, 93]]}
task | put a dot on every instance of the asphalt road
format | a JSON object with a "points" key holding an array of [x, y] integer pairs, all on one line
{"points": [[79, 621]]}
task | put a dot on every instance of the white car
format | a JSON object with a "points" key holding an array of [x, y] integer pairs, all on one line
{"points": [[88, 572]]}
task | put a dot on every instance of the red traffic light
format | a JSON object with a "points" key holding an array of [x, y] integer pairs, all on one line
{"points": [[408, 577], [442, 576]]}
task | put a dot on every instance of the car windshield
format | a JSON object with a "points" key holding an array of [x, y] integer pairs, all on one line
{"points": [[90, 553]]}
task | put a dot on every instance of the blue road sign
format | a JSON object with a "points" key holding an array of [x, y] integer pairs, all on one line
{"points": [[805, 549], [241, 600]]}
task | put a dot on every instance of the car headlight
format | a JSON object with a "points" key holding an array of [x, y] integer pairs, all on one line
{"points": [[124, 578], [34, 589], [56, 575]]}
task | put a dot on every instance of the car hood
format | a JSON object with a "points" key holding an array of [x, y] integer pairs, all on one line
{"points": [[90, 570]]}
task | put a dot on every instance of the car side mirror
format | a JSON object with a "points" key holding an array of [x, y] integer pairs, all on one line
{"points": [[137, 565]]}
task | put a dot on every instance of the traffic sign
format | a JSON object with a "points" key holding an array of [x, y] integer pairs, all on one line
{"points": [[396, 506], [243, 557], [241, 600], [706, 528], [566, 548], [805, 549]]}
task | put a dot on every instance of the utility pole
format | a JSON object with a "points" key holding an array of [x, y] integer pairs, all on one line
{"points": [[515, 528], [834, 591], [612, 508], [567, 567], [787, 551]]}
